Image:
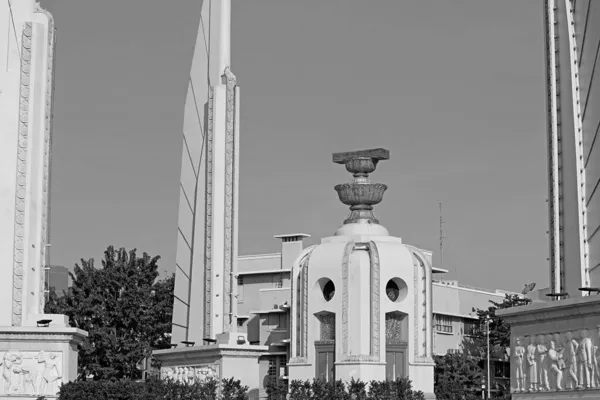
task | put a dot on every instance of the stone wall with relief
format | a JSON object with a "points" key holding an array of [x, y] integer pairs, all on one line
{"points": [[554, 348], [556, 361], [31, 372], [191, 374]]}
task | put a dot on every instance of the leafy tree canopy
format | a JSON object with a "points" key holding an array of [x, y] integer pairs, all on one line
{"points": [[124, 308], [457, 376]]}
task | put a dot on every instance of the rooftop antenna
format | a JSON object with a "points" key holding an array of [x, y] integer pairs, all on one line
{"points": [[442, 237]]}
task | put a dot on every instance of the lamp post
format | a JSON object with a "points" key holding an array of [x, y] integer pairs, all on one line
{"points": [[487, 324]]}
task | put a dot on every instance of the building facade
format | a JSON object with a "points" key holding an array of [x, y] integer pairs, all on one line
{"points": [[57, 278]]}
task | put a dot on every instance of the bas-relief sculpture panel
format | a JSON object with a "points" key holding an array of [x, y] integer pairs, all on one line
{"points": [[556, 361], [31, 372], [191, 374]]}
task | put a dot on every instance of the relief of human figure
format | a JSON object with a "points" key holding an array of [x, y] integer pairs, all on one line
{"points": [[10, 360], [191, 375], [51, 371], [29, 379], [532, 371], [595, 355], [170, 374], [585, 360], [557, 364], [518, 356], [542, 362], [570, 357]]}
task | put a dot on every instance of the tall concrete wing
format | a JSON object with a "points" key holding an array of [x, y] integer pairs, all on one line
{"points": [[28, 337], [205, 284], [572, 31]]}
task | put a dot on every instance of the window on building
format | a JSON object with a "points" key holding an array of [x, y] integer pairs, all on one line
{"points": [[501, 369], [470, 327], [277, 366], [272, 367], [277, 321], [240, 289], [443, 323]]}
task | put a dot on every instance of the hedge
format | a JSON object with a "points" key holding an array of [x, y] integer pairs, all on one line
{"points": [[231, 389], [400, 389], [153, 389]]}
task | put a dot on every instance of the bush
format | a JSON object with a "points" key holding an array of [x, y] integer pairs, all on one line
{"points": [[152, 389], [400, 389], [277, 389], [232, 389]]}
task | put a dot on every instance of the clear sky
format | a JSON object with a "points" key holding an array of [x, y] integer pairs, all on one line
{"points": [[453, 88]]}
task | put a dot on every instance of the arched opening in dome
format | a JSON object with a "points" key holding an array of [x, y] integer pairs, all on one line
{"points": [[396, 290], [328, 289], [392, 290]]}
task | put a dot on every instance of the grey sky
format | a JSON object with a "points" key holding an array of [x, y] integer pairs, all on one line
{"points": [[454, 88]]}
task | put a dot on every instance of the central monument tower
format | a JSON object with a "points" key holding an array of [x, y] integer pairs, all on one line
{"points": [[361, 300]]}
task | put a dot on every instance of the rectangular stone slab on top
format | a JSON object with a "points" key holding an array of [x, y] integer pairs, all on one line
{"points": [[375, 154]]}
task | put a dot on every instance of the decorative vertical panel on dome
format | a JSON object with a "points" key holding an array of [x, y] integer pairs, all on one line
{"points": [[375, 298], [345, 262]]}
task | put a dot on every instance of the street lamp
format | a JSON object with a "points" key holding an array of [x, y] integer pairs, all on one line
{"points": [[487, 324]]}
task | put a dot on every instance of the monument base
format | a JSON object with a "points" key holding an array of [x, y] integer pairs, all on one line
{"points": [[554, 349], [567, 394], [37, 360], [216, 361]]}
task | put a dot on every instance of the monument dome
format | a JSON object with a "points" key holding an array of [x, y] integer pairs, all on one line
{"points": [[361, 298]]}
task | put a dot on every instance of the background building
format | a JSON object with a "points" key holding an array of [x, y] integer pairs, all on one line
{"points": [[57, 277]]}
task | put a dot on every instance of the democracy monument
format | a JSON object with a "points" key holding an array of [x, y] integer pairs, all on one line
{"points": [[38, 351], [359, 304]]}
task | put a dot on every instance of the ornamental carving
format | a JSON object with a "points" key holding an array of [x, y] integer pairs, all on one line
{"points": [[556, 361], [47, 148], [191, 374], [300, 297], [395, 328], [208, 215], [304, 322], [229, 198], [422, 333], [31, 372], [345, 262], [327, 325], [21, 179], [375, 298]]}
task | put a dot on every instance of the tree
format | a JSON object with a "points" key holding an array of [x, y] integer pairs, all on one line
{"points": [[123, 307], [499, 330], [457, 376]]}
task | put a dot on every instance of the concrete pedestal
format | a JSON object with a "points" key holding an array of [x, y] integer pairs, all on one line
{"points": [[365, 371], [36, 361], [217, 361], [554, 349]]}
